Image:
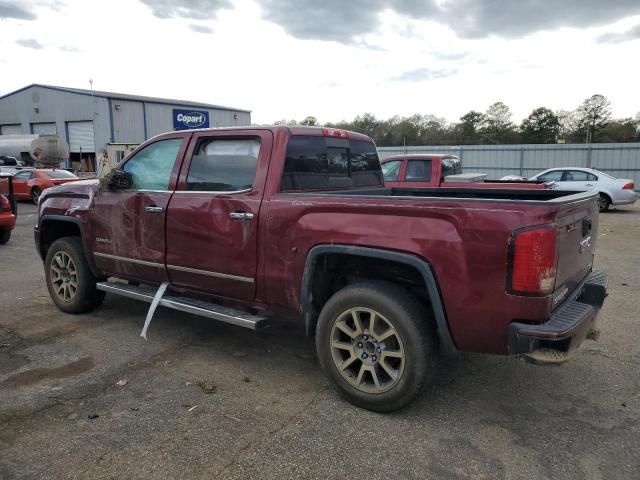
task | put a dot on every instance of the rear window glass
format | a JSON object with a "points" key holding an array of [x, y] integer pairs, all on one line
{"points": [[60, 174], [390, 170], [451, 166], [323, 163]]}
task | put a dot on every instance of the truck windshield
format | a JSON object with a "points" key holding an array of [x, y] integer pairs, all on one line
{"points": [[322, 163], [451, 166]]}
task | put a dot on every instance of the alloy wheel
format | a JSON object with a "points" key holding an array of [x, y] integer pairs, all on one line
{"points": [[64, 276], [367, 350]]}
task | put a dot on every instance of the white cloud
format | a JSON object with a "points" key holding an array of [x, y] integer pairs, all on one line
{"points": [[395, 65]]}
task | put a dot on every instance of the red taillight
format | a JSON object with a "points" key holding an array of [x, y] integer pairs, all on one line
{"points": [[533, 261], [628, 186], [332, 132]]}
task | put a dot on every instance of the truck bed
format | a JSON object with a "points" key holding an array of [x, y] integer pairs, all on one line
{"points": [[502, 194]]}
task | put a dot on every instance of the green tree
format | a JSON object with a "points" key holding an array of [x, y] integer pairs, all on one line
{"points": [[497, 126], [541, 126], [617, 131], [310, 121], [469, 127], [593, 115]]}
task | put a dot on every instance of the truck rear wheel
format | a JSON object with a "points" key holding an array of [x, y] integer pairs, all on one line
{"points": [[71, 284], [377, 344]]}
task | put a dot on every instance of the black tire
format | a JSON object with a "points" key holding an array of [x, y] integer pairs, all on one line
{"points": [[416, 338], [85, 296], [35, 194], [604, 202], [5, 235]]}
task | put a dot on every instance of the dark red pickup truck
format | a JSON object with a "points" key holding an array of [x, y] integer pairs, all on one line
{"points": [[247, 224]]}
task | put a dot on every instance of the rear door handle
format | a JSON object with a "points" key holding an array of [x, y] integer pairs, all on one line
{"points": [[154, 209], [240, 215], [589, 185]]}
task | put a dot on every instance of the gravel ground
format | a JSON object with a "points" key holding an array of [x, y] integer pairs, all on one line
{"points": [[85, 397]]}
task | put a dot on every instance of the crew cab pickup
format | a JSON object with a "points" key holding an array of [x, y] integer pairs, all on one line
{"points": [[244, 225], [445, 171]]}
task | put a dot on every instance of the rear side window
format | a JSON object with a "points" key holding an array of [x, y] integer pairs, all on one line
{"points": [[223, 165], [322, 163], [418, 171], [580, 176]]}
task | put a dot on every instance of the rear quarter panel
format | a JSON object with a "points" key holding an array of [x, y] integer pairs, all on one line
{"points": [[465, 243]]}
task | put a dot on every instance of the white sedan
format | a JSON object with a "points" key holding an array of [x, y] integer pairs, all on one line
{"points": [[613, 191]]}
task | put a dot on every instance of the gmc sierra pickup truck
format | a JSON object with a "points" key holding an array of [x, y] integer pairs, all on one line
{"points": [[243, 225]]}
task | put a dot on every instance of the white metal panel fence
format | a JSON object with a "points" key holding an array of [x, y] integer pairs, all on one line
{"points": [[621, 160]]}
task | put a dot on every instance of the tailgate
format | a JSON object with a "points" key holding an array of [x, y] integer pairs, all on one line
{"points": [[577, 235]]}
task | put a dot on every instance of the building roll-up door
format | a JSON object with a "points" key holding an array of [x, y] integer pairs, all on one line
{"points": [[44, 128], [15, 129], [81, 136]]}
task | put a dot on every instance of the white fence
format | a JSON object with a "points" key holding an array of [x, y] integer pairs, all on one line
{"points": [[620, 160]]}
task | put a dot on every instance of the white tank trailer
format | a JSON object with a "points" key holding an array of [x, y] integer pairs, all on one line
{"points": [[35, 150]]}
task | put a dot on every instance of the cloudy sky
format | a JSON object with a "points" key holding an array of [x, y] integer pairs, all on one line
{"points": [[286, 59]]}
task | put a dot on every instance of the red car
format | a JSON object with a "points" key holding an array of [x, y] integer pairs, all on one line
{"points": [[29, 184], [7, 210]]}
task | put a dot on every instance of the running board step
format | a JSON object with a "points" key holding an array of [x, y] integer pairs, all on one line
{"points": [[185, 304]]}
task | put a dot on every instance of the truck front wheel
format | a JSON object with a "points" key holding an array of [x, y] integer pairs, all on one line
{"points": [[378, 345], [71, 284]]}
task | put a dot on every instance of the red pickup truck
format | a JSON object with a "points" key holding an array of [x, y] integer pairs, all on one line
{"points": [[248, 224], [442, 170]]}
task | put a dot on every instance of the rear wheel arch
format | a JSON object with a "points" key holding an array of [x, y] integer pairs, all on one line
{"points": [[317, 287]]}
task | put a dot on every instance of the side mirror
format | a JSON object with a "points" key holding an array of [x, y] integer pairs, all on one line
{"points": [[119, 180]]}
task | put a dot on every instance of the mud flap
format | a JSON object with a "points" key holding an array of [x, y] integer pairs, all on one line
{"points": [[154, 304]]}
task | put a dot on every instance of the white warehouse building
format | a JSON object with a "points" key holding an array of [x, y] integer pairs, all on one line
{"points": [[93, 122]]}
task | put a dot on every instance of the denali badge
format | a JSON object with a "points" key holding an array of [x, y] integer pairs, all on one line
{"points": [[103, 240]]}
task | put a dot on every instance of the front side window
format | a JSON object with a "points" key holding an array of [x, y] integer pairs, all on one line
{"points": [[554, 176], [151, 168], [390, 170], [418, 171], [314, 163], [223, 165]]}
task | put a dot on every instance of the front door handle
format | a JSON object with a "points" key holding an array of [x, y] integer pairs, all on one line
{"points": [[241, 215], [154, 209]]}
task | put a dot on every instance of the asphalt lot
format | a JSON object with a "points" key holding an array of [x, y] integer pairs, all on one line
{"points": [[207, 400]]}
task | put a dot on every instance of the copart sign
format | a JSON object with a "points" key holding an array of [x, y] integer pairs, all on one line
{"points": [[187, 119]]}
